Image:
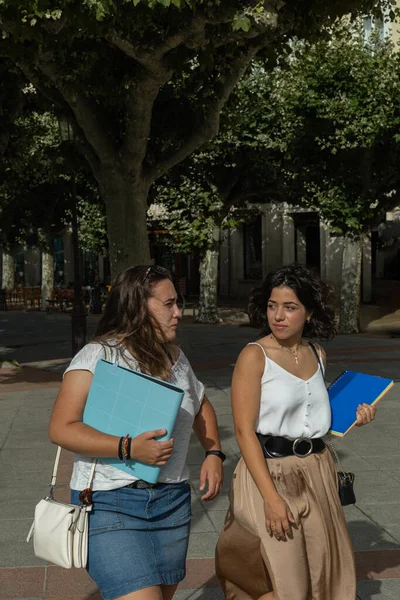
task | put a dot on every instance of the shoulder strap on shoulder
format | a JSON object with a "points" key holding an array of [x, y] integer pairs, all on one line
{"points": [[318, 357], [257, 344]]}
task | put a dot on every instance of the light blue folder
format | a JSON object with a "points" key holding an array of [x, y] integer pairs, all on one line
{"points": [[348, 391], [123, 401]]}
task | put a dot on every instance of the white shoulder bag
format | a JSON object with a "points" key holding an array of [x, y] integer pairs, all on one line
{"points": [[60, 531]]}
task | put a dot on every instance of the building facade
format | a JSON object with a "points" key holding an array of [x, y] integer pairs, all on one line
{"points": [[282, 234]]}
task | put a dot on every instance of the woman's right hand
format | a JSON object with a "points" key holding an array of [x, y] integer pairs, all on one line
{"points": [[278, 518], [146, 449]]}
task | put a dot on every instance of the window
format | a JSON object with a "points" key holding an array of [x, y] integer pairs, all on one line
{"points": [[381, 25], [252, 249], [367, 28]]}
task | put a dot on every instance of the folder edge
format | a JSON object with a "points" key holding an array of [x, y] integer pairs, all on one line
{"points": [[383, 393]]}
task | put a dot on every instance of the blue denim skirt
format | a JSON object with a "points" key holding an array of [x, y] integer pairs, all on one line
{"points": [[138, 537]]}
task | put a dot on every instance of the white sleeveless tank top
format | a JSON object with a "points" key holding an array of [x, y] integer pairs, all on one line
{"points": [[290, 406]]}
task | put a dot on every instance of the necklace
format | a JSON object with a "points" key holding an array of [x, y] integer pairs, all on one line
{"points": [[294, 353]]}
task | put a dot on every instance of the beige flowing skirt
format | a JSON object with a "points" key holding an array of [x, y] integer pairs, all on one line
{"points": [[316, 564]]}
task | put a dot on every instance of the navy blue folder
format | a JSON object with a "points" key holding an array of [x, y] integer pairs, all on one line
{"points": [[348, 391], [123, 401]]}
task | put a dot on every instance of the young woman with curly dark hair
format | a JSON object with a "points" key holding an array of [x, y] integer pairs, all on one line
{"points": [[285, 536]]}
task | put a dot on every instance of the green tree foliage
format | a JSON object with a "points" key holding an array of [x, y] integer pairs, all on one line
{"points": [[340, 134], [35, 175], [327, 117], [144, 82]]}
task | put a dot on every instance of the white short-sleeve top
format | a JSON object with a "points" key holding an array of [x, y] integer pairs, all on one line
{"points": [[290, 406], [107, 477]]}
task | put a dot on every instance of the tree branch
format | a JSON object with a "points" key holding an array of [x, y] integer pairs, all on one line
{"points": [[50, 93], [127, 48], [56, 98], [207, 128], [192, 36], [88, 153], [138, 116], [84, 111]]}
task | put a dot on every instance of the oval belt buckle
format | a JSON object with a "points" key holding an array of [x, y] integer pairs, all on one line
{"points": [[297, 442]]}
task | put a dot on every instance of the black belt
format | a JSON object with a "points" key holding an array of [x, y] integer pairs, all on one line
{"points": [[140, 484], [279, 447]]}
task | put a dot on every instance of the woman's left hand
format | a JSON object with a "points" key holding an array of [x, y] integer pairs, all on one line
{"points": [[365, 414], [212, 473]]}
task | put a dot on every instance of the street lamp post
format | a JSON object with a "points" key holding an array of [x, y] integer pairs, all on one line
{"points": [[78, 315]]}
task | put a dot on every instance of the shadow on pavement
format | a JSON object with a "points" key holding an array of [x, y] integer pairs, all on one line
{"points": [[373, 564], [27, 376]]}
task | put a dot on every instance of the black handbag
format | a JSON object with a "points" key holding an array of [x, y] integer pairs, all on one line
{"points": [[346, 488]]}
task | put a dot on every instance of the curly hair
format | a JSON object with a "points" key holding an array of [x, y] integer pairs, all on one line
{"points": [[316, 296], [126, 319]]}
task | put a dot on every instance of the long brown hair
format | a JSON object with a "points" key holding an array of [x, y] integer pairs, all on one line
{"points": [[126, 320]]}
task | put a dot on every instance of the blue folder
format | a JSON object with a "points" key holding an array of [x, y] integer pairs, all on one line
{"points": [[123, 401], [348, 391]]}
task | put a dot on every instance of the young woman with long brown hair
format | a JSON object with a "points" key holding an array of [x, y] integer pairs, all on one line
{"points": [[138, 532]]}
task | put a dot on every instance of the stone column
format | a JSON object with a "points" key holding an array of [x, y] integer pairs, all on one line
{"points": [[8, 269]]}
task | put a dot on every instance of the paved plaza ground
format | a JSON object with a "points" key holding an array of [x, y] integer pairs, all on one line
{"points": [[42, 344]]}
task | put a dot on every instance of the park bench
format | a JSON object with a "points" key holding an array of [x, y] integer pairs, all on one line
{"points": [[32, 298], [60, 300]]}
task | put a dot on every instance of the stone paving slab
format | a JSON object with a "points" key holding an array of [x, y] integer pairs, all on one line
{"points": [[384, 590]]}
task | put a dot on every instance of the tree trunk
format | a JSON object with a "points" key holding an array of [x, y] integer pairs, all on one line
{"points": [[47, 275], [208, 304], [8, 270], [349, 319], [126, 207]]}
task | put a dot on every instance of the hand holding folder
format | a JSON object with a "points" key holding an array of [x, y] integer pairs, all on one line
{"points": [[122, 401], [348, 391]]}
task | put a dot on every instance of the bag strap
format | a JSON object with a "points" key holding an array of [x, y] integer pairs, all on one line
{"points": [[317, 356], [55, 469], [330, 442]]}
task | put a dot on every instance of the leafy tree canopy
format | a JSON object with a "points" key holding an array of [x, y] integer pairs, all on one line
{"points": [[327, 118], [144, 82], [35, 174]]}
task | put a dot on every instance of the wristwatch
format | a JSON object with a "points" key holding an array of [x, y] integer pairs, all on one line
{"points": [[218, 453]]}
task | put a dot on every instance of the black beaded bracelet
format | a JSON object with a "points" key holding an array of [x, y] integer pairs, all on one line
{"points": [[121, 441]]}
